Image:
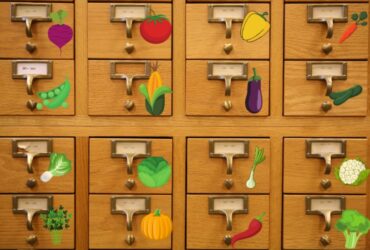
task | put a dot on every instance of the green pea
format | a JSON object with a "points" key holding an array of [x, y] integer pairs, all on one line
{"points": [[39, 106], [43, 95], [46, 102], [57, 91], [50, 94], [62, 86]]}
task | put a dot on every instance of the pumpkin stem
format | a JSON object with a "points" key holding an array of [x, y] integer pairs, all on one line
{"points": [[157, 212]]}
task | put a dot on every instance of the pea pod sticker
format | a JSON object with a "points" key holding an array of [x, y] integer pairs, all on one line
{"points": [[56, 97]]}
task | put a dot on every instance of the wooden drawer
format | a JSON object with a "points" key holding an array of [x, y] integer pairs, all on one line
{"points": [[305, 40], [208, 175], [108, 39], [211, 232], [108, 231], [14, 232], [14, 37], [207, 40], [112, 179], [302, 231], [108, 96], [304, 175], [15, 101], [205, 97], [304, 97], [15, 174]]}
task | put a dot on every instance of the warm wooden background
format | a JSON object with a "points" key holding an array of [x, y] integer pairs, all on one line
{"points": [[179, 126]]}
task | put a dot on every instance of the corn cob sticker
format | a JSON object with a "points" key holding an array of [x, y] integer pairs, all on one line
{"points": [[154, 92], [254, 27], [56, 97]]}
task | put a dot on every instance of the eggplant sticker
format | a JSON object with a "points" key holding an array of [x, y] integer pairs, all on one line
{"points": [[358, 20], [353, 225], [352, 172], [56, 220], [343, 96], [59, 165], [253, 100], [259, 157], [60, 34], [154, 172], [254, 27], [255, 226], [56, 97], [154, 92]]}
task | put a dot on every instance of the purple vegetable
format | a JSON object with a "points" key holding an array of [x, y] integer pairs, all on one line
{"points": [[253, 101], [60, 34]]}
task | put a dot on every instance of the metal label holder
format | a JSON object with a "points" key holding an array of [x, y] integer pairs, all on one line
{"points": [[330, 205], [227, 19], [129, 78], [227, 77], [30, 77], [31, 205], [29, 151], [327, 77], [130, 18], [30, 19], [325, 18], [327, 156]]}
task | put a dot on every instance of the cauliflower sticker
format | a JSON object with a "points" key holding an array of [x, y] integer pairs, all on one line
{"points": [[352, 172]]}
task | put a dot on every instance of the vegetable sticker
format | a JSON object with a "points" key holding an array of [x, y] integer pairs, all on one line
{"points": [[258, 159], [59, 34], [343, 96], [255, 226], [156, 28], [156, 226], [254, 27], [353, 225], [59, 166], [359, 20], [154, 172], [154, 92], [56, 97], [352, 172], [56, 220], [253, 100]]}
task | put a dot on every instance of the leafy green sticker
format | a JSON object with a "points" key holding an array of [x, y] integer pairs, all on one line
{"points": [[59, 165], [154, 172]]}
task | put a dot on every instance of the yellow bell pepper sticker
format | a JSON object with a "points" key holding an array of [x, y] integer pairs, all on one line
{"points": [[254, 26]]}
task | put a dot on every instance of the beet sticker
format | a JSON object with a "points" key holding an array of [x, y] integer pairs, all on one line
{"points": [[60, 34]]}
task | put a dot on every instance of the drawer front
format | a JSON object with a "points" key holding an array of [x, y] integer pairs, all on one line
{"points": [[303, 231], [15, 102], [212, 101], [305, 175], [306, 40], [108, 39], [110, 175], [109, 96], [16, 178], [304, 97], [14, 232], [14, 38], [209, 175], [108, 231], [211, 232], [207, 40]]}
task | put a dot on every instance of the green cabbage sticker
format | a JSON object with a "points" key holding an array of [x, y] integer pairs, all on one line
{"points": [[154, 172]]}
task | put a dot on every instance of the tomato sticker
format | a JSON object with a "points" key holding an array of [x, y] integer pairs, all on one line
{"points": [[156, 29]]}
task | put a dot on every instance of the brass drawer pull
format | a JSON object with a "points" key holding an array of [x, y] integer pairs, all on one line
{"points": [[328, 14], [227, 13], [31, 70], [129, 206], [31, 205], [325, 206], [29, 13]]}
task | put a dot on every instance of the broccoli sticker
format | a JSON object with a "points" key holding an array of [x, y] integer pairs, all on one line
{"points": [[352, 172], [353, 225]]}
